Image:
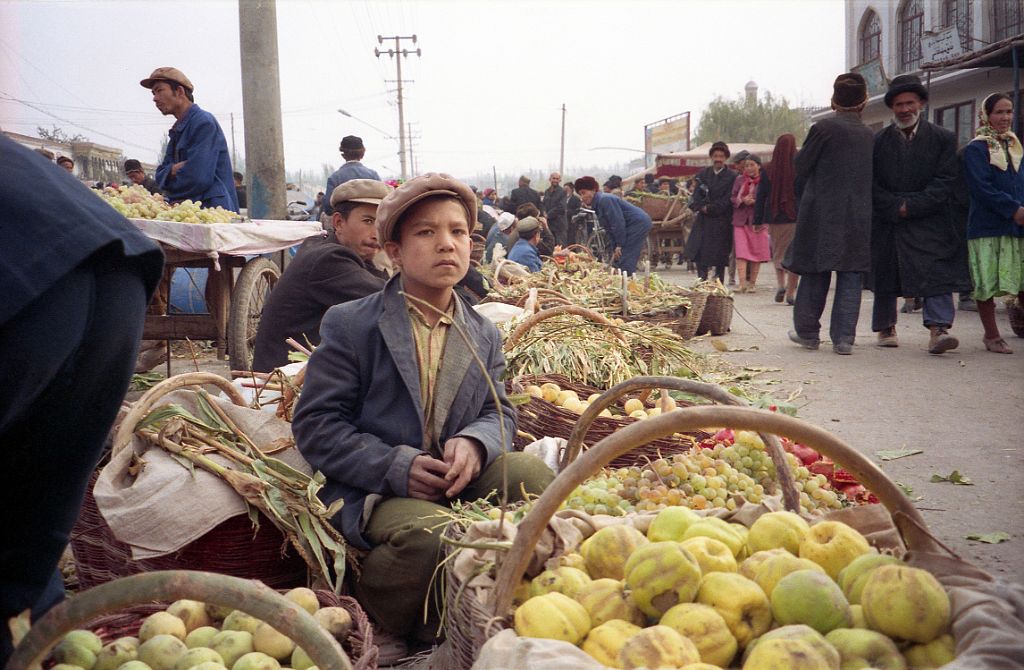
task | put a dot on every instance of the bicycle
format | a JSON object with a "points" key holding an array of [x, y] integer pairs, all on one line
{"points": [[600, 243]]}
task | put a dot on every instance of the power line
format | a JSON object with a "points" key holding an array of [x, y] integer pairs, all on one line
{"points": [[77, 125]]}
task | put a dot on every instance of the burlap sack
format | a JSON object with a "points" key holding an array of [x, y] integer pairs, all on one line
{"points": [[165, 506]]}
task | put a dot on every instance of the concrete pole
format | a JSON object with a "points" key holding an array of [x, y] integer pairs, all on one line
{"points": [[261, 106], [401, 113], [561, 151]]}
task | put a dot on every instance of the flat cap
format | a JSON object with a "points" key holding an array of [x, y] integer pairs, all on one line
{"points": [[167, 74], [420, 188], [351, 143], [369, 191], [527, 226]]}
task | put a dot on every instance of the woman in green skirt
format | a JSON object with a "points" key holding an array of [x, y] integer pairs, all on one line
{"points": [[995, 226]]}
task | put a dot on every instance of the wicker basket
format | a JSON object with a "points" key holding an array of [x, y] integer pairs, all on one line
{"points": [[118, 608], [684, 320], [660, 208], [717, 317], [1016, 313], [231, 548], [475, 622]]}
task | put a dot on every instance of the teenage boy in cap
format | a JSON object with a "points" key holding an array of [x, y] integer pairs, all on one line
{"points": [[352, 150], [499, 233], [398, 415], [325, 272], [833, 227], [524, 251], [915, 244], [133, 170], [66, 163], [626, 224], [197, 165]]}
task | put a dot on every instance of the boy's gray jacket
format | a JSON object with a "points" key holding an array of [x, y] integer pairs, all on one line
{"points": [[359, 419]]}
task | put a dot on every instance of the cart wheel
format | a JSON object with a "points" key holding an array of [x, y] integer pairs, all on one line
{"points": [[248, 298]]}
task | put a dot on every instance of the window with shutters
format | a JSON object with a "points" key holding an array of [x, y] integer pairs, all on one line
{"points": [[911, 22], [870, 37], [1006, 19]]}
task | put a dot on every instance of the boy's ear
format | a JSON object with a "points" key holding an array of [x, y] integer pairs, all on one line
{"points": [[394, 252]]}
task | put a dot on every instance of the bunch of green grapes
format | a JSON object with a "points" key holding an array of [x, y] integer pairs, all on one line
{"points": [[134, 202], [193, 212], [747, 455]]}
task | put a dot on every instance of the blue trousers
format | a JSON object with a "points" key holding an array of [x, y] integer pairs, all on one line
{"points": [[636, 240], [938, 311], [811, 294], [66, 360]]}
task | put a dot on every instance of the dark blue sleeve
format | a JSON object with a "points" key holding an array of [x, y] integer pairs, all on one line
{"points": [[979, 181], [611, 218], [199, 172]]}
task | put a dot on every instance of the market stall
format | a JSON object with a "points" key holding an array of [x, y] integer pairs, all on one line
{"points": [[235, 299]]}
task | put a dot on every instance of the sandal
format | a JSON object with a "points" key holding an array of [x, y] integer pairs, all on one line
{"points": [[780, 295], [997, 345]]}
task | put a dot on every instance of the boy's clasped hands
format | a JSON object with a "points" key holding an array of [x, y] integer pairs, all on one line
{"points": [[434, 480]]}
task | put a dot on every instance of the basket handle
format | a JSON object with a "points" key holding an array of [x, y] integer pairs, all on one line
{"points": [[790, 496], [576, 248], [497, 272], [142, 407], [547, 294], [693, 418], [543, 315], [247, 595]]}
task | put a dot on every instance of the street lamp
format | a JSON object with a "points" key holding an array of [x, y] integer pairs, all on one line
{"points": [[382, 132]]}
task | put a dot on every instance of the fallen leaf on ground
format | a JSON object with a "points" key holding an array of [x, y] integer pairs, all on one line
{"points": [[953, 478], [990, 538], [893, 454]]}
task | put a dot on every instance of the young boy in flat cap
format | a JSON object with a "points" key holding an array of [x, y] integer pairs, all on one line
{"points": [[524, 251], [396, 412]]}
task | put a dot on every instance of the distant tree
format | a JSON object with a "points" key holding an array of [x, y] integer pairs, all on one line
{"points": [[56, 134], [753, 121]]}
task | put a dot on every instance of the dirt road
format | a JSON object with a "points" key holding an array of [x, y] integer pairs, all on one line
{"points": [[964, 409]]}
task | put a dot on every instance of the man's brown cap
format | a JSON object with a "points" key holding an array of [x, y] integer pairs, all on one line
{"points": [[416, 189], [167, 74], [369, 191]]}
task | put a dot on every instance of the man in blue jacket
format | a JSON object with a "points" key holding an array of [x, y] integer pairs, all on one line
{"points": [[524, 251], [352, 150], [626, 224], [197, 165]]}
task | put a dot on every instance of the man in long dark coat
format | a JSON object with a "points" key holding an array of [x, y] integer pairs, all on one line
{"points": [[833, 226], [915, 245], [710, 241]]}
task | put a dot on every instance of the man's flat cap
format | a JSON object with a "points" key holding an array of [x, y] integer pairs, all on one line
{"points": [[415, 190], [369, 191], [167, 74]]}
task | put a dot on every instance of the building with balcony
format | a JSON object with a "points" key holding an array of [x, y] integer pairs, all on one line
{"points": [[963, 50]]}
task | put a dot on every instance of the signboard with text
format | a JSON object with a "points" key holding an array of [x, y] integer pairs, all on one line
{"points": [[668, 136], [873, 75], [941, 45]]}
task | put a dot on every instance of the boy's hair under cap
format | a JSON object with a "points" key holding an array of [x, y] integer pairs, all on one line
{"points": [[415, 190]]}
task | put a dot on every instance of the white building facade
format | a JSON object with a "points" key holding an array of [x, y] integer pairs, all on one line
{"points": [[896, 34]]}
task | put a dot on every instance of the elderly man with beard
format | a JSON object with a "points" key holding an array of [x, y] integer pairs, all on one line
{"points": [[915, 246]]}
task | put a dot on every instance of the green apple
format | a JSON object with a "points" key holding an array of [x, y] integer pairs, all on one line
{"points": [[717, 529], [191, 612], [828, 653], [777, 530], [833, 546], [749, 567], [200, 637], [161, 652], [786, 654], [232, 645], [865, 649], [713, 556], [740, 601], [853, 576], [706, 628], [776, 567], [905, 603], [935, 654], [112, 656], [810, 597], [162, 623], [194, 657], [671, 523]]}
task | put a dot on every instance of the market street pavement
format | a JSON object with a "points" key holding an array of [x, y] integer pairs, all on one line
{"points": [[962, 408]]}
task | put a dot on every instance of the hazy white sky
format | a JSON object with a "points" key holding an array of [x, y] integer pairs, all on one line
{"points": [[487, 90]]}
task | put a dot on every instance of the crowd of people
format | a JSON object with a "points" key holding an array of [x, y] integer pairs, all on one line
{"points": [[396, 411]]}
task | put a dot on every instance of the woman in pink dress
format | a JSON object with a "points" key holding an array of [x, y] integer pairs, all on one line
{"points": [[751, 242]]}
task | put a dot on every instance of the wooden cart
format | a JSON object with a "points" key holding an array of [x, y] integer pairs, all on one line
{"points": [[238, 282], [671, 220]]}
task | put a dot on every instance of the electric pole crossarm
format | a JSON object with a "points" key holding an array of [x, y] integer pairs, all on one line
{"points": [[398, 53]]}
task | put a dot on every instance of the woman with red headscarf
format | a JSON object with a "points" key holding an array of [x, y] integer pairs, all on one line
{"points": [[776, 205]]}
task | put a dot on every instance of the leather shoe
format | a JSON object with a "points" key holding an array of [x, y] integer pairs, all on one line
{"points": [[842, 348], [941, 341], [887, 338], [804, 342]]}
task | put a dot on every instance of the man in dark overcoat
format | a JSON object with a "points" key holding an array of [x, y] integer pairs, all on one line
{"points": [[833, 226], [915, 245], [710, 241]]}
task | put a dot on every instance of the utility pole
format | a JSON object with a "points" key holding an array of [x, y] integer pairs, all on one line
{"points": [[561, 151], [412, 162], [398, 53], [261, 106]]}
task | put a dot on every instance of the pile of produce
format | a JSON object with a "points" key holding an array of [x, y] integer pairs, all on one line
{"points": [[701, 593], [135, 202], [600, 355], [703, 479], [191, 635]]}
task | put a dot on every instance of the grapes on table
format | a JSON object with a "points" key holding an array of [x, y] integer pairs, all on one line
{"points": [[135, 202], [700, 479]]}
